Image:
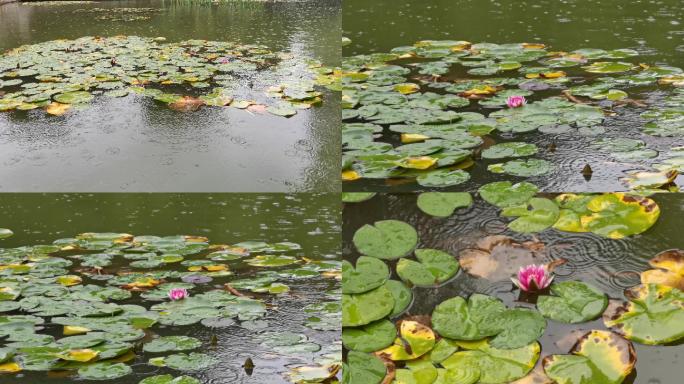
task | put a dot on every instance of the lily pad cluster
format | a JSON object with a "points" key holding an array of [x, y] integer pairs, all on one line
{"points": [[62, 75], [479, 338], [428, 112], [86, 286], [121, 14]]}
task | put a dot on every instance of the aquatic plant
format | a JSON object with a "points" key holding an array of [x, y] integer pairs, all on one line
{"points": [[178, 294], [516, 101], [533, 278]]}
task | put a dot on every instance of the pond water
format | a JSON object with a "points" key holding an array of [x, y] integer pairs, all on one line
{"points": [[312, 221], [129, 144], [652, 28], [609, 265]]}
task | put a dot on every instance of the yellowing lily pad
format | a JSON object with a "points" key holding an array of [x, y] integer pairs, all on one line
{"points": [[668, 269], [414, 340]]}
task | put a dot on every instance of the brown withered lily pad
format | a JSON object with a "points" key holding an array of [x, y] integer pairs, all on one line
{"points": [[187, 104], [499, 257]]}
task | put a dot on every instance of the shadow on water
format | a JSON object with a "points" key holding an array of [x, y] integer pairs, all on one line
{"points": [[654, 28], [134, 145], [311, 220], [610, 265]]}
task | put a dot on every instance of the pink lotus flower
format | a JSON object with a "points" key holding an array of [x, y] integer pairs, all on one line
{"points": [[178, 294], [224, 60], [516, 101], [533, 277]]}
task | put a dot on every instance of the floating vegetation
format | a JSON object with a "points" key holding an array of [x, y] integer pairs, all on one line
{"points": [[431, 111], [63, 75], [406, 315], [85, 286]]}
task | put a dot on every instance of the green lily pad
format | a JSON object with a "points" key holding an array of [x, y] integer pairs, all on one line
{"points": [[653, 315], [491, 365], [363, 368], [168, 379], [537, 215], [369, 274], [403, 296], [461, 319], [77, 97], [609, 67], [371, 337], [598, 357], [356, 197], [189, 362], [387, 239], [510, 149], [172, 343], [506, 194], [443, 178], [572, 302], [104, 371], [433, 267], [522, 168], [361, 309], [443, 204]]}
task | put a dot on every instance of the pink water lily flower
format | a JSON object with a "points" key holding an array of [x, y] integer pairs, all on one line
{"points": [[533, 277], [516, 101], [178, 294]]}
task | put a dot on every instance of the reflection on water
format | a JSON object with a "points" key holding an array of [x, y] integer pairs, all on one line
{"points": [[133, 145], [652, 27], [610, 265], [313, 221]]}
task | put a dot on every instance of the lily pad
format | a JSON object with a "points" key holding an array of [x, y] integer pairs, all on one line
{"points": [[104, 371], [443, 178], [598, 357], [371, 337], [414, 340], [172, 343], [572, 302], [506, 194], [5, 233], [168, 379], [491, 365], [387, 239], [363, 368], [522, 168], [443, 204], [433, 267], [369, 274], [510, 149], [364, 308], [537, 215], [653, 315], [668, 269]]}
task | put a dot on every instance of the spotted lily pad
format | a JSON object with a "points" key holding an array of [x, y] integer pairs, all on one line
{"points": [[653, 315], [598, 357], [443, 204], [668, 269], [611, 215], [387, 239], [572, 302], [414, 340]]}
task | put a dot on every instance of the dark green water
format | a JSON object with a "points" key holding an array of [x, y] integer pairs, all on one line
{"points": [[127, 145], [652, 27], [610, 265], [311, 220]]}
